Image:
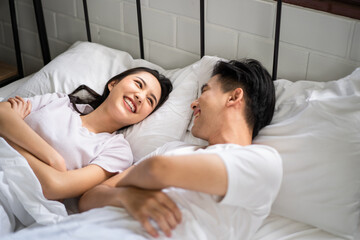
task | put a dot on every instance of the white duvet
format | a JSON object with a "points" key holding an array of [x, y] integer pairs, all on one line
{"points": [[22, 202], [23, 205]]}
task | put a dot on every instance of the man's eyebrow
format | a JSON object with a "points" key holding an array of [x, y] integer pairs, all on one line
{"points": [[204, 86], [151, 94]]}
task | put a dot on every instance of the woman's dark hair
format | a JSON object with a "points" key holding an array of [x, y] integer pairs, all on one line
{"points": [[258, 87], [94, 99]]}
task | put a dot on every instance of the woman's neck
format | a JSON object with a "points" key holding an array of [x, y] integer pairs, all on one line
{"points": [[97, 122]]}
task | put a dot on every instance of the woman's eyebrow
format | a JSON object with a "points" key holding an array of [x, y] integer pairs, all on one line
{"points": [[151, 94]]}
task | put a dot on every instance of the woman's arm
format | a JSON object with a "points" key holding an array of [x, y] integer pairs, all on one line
{"points": [[141, 204], [15, 129], [59, 185], [201, 172], [104, 194]]}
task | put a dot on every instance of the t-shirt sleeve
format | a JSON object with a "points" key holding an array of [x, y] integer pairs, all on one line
{"points": [[116, 155], [40, 101], [254, 177]]}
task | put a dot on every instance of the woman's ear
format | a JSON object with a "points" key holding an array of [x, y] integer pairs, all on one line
{"points": [[111, 85], [235, 97]]}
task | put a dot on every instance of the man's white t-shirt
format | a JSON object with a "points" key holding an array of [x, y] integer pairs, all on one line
{"points": [[54, 119], [254, 178]]}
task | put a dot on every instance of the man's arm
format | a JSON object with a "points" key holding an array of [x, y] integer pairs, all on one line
{"points": [[201, 172]]}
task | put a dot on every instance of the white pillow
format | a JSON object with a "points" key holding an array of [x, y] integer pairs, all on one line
{"points": [[203, 73], [83, 63], [316, 129], [93, 64]]}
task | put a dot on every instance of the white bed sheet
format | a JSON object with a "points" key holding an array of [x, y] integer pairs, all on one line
{"points": [[276, 227], [22, 202], [106, 223]]}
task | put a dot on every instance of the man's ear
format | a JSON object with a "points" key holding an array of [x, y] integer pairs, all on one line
{"points": [[235, 97], [111, 85]]}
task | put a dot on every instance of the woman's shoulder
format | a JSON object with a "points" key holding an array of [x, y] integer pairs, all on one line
{"points": [[117, 144], [118, 139], [43, 100]]}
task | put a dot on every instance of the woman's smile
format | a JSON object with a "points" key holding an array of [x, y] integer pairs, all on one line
{"points": [[130, 105]]}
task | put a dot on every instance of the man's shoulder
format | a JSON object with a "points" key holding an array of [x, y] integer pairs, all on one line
{"points": [[171, 147], [255, 151], [177, 144], [233, 146]]}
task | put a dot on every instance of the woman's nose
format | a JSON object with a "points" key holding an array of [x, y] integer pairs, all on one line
{"points": [[139, 98]]}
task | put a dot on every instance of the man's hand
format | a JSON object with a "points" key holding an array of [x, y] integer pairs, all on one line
{"points": [[141, 204], [144, 205], [20, 106]]}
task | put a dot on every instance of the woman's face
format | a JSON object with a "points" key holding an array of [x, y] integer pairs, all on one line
{"points": [[133, 98]]}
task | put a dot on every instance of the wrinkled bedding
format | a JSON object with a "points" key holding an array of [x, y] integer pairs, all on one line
{"points": [[22, 202]]}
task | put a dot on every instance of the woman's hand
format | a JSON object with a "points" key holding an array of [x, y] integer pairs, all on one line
{"points": [[20, 106]]}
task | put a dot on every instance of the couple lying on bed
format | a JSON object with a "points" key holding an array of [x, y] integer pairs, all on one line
{"points": [[229, 184]]}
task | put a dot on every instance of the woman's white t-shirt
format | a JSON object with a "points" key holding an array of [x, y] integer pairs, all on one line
{"points": [[54, 119]]}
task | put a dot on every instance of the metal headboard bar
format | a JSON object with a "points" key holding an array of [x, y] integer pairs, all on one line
{"points": [[42, 31], [141, 38], [45, 45], [20, 72], [16, 38], [277, 39], [87, 23], [202, 28]]}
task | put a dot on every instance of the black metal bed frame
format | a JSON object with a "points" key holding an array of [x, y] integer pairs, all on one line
{"points": [[45, 45]]}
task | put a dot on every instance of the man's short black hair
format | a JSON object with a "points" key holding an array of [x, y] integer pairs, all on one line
{"points": [[258, 87]]}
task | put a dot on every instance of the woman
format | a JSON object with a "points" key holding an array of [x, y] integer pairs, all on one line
{"points": [[72, 147]]}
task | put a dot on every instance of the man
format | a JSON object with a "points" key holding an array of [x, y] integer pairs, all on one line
{"points": [[227, 187]]}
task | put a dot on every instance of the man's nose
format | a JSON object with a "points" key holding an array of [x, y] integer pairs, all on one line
{"points": [[194, 104]]}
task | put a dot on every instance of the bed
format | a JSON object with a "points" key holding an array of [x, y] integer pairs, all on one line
{"points": [[316, 129]]}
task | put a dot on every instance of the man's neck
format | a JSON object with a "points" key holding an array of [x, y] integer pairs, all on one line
{"points": [[236, 134]]}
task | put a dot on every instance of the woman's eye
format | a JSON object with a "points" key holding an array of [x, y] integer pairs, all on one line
{"points": [[151, 101], [139, 84]]}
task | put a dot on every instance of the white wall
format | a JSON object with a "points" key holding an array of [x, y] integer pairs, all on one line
{"points": [[314, 45]]}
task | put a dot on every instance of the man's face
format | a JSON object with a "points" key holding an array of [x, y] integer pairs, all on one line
{"points": [[208, 109]]}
